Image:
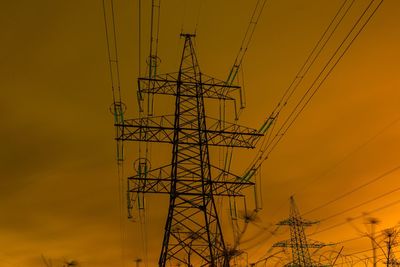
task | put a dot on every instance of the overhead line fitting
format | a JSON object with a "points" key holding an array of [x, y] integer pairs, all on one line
{"points": [[245, 43], [118, 107]]}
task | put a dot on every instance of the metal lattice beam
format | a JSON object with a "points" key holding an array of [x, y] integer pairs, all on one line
{"points": [[158, 181], [161, 129], [166, 84]]}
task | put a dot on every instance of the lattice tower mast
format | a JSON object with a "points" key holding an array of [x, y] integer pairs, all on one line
{"points": [[298, 242], [193, 234]]}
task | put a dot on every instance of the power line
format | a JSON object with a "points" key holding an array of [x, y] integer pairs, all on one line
{"points": [[382, 253], [356, 206], [266, 149], [282, 131], [385, 174], [198, 17], [264, 239], [348, 155], [357, 217], [311, 58], [280, 136], [370, 182], [140, 36], [117, 108], [272, 119], [248, 36], [112, 50], [357, 238], [362, 204], [340, 56], [350, 239]]}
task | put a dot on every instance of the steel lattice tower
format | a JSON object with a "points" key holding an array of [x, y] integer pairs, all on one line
{"points": [[298, 241], [193, 234]]}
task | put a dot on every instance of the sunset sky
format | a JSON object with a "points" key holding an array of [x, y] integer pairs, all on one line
{"points": [[59, 182]]}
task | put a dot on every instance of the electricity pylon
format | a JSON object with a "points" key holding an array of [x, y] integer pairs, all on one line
{"points": [[391, 236], [298, 240], [193, 234]]}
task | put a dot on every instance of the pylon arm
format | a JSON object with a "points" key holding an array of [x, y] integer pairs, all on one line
{"points": [[167, 85], [297, 222], [163, 186], [289, 244], [159, 181], [161, 129]]}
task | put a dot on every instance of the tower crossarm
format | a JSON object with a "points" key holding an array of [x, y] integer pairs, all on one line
{"points": [[293, 221], [154, 181], [158, 181], [166, 84], [289, 244], [162, 186], [161, 129], [283, 244], [227, 188]]}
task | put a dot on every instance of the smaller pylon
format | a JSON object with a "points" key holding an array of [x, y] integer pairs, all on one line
{"points": [[298, 241], [391, 240]]}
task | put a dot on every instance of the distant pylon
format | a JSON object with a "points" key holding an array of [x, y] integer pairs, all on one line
{"points": [[298, 241], [391, 236]]}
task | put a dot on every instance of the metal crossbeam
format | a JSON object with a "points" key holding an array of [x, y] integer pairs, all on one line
{"points": [[297, 221], [289, 244], [161, 129], [158, 181], [167, 85]]}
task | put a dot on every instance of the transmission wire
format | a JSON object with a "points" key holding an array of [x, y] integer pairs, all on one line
{"points": [[257, 161], [357, 217], [352, 152], [359, 237], [281, 103], [385, 174], [345, 50], [357, 149], [198, 17], [140, 36], [284, 130], [227, 154], [115, 81], [361, 204]]}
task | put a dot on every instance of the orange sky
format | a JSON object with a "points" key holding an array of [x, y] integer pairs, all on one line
{"points": [[59, 187]]}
